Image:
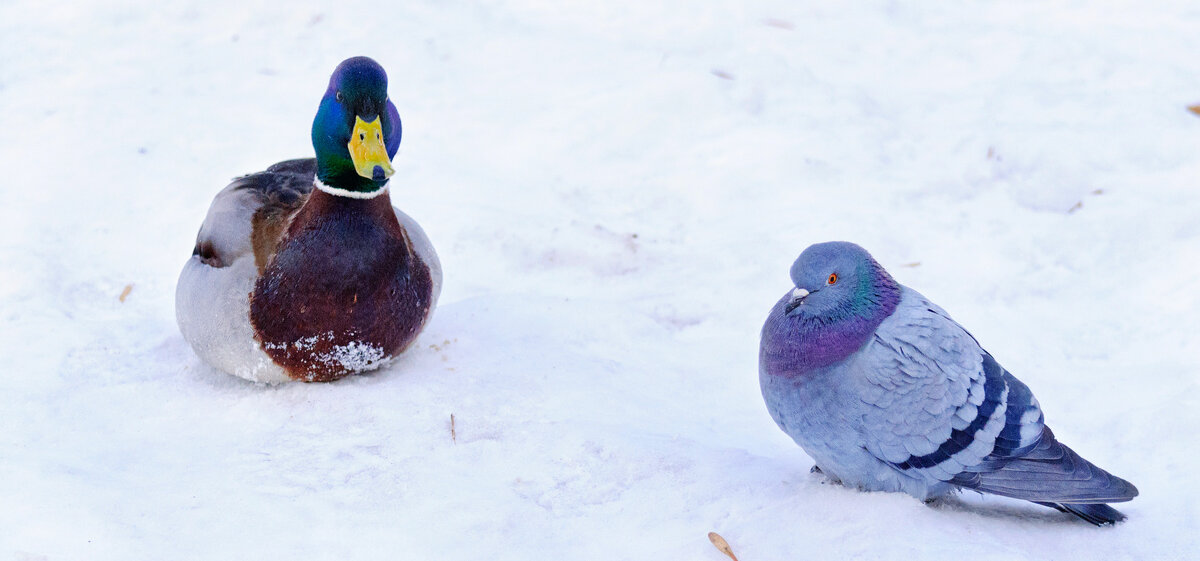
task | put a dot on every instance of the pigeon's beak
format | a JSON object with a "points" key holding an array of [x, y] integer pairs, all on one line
{"points": [[798, 297]]}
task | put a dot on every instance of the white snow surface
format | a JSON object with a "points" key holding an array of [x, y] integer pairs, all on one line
{"points": [[616, 190]]}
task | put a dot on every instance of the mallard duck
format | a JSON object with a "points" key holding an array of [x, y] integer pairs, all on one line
{"points": [[305, 271]]}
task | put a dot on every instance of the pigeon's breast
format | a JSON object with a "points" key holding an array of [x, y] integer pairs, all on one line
{"points": [[795, 346]]}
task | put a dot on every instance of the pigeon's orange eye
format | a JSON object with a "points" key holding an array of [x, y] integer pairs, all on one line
{"points": [[832, 278]]}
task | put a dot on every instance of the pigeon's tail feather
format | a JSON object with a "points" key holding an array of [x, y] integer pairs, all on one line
{"points": [[1052, 473], [1099, 514]]}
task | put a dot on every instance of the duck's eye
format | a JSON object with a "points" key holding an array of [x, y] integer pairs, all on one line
{"points": [[832, 279], [339, 97]]}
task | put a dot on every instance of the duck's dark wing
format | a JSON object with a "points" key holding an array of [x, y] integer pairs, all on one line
{"points": [[247, 217]]}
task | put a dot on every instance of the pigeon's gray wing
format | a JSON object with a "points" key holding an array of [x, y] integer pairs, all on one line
{"points": [[936, 404], [940, 407]]}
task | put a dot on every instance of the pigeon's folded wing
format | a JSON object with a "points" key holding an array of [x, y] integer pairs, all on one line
{"points": [[935, 403]]}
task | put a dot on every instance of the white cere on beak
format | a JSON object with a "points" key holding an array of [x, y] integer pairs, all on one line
{"points": [[799, 293]]}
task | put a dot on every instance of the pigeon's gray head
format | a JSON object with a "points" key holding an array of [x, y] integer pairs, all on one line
{"points": [[841, 297], [836, 280]]}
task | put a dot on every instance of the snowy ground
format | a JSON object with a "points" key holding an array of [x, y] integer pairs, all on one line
{"points": [[616, 192]]}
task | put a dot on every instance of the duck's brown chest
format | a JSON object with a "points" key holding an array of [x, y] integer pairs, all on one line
{"points": [[343, 292]]}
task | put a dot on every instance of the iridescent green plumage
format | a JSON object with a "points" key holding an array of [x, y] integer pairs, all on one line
{"points": [[357, 88]]}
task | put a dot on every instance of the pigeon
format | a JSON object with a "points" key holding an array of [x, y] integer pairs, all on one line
{"points": [[887, 393]]}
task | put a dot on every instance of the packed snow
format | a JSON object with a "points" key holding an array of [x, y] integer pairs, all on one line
{"points": [[616, 191]]}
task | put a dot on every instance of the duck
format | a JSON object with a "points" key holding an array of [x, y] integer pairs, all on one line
{"points": [[305, 271]]}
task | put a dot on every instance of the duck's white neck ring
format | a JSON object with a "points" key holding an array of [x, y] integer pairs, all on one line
{"points": [[339, 192]]}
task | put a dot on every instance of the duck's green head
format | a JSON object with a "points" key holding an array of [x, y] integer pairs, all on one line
{"points": [[357, 129]]}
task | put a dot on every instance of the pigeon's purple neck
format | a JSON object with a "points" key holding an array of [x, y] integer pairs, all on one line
{"points": [[798, 344]]}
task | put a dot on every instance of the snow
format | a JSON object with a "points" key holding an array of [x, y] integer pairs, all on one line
{"points": [[616, 191]]}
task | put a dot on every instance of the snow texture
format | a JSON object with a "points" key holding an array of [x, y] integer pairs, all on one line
{"points": [[617, 190]]}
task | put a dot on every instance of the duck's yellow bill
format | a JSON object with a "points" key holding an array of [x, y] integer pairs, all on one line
{"points": [[368, 151]]}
